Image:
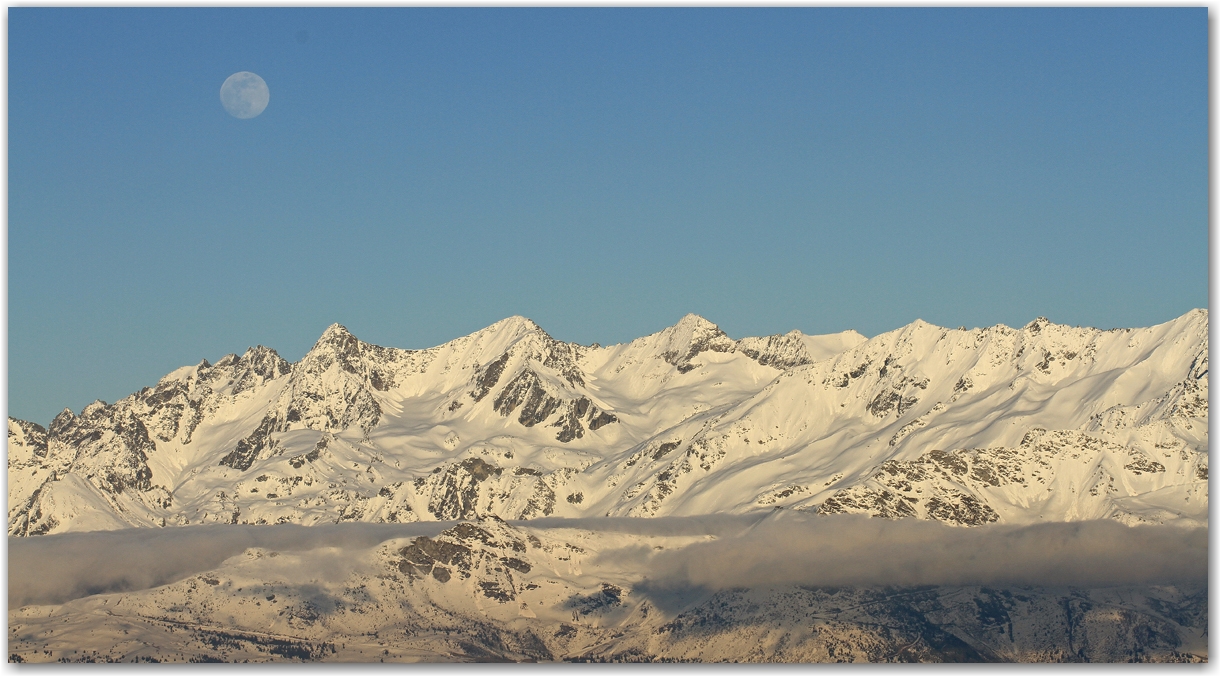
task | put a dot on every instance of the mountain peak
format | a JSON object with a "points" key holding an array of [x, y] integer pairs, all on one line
{"points": [[916, 328], [335, 344], [336, 339], [516, 324], [335, 332], [690, 336], [1197, 316], [690, 328], [509, 331], [693, 322], [1035, 327], [65, 418]]}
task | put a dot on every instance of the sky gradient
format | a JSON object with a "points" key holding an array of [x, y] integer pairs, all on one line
{"points": [[422, 173]]}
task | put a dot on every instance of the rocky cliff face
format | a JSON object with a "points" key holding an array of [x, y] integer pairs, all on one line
{"points": [[991, 425]]}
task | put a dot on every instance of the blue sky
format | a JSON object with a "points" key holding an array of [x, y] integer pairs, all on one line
{"points": [[422, 173]]}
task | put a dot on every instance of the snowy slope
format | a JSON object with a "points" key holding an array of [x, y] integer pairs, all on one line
{"points": [[1042, 423]]}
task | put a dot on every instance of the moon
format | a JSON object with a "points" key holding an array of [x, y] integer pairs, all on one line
{"points": [[244, 95]]}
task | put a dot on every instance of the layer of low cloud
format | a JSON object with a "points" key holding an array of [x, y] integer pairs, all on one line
{"points": [[58, 568], [782, 549], [859, 551]]}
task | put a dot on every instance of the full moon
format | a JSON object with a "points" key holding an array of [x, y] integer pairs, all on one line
{"points": [[244, 95]]}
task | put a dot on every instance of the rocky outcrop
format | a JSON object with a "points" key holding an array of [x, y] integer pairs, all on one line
{"points": [[783, 352], [487, 551], [691, 336]]}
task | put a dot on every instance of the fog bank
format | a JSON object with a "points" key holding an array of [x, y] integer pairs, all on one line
{"points": [[850, 550], [780, 548], [57, 568]]}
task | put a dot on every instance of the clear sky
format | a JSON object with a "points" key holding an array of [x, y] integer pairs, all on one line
{"points": [[422, 173]]}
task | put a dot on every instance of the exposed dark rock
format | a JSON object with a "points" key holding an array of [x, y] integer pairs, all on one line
{"points": [[471, 532], [515, 563], [480, 469], [579, 411], [601, 420], [35, 436], [561, 357], [878, 502], [424, 552], [455, 491], [608, 597], [1045, 364], [540, 503], [885, 366], [1142, 463], [248, 449], [782, 352], [113, 443], [338, 346], [888, 401], [665, 449], [493, 589], [962, 509], [704, 337], [569, 423], [487, 377], [527, 392]]}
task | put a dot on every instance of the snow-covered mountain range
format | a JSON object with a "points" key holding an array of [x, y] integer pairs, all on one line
{"points": [[990, 425]]}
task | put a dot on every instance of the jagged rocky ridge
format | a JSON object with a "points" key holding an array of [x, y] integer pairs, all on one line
{"points": [[1044, 422]]}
